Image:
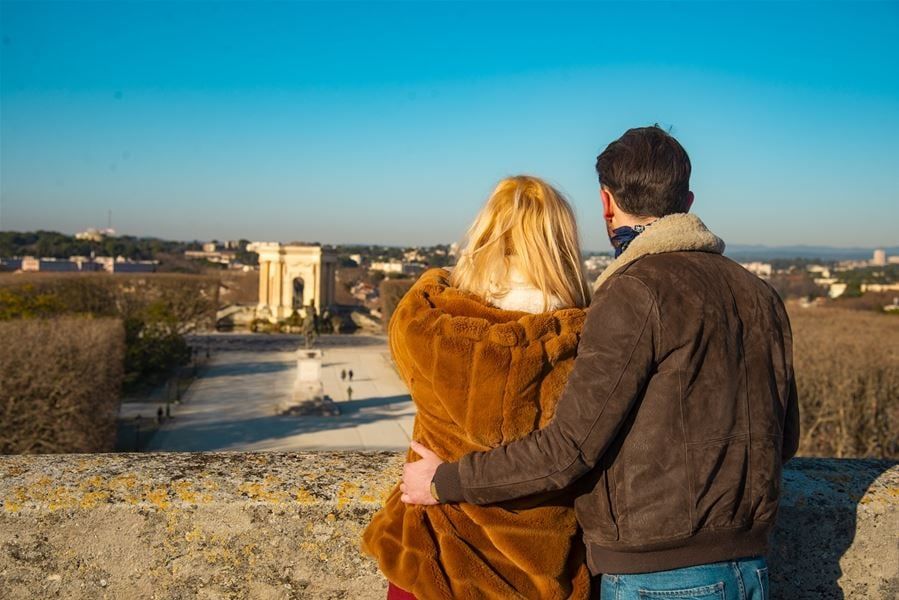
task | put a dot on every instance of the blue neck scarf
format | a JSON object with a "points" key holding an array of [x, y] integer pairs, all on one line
{"points": [[622, 237]]}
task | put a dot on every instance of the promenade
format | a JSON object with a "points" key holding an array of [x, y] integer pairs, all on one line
{"points": [[232, 404]]}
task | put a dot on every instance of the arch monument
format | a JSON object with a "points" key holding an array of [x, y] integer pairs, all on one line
{"points": [[291, 276]]}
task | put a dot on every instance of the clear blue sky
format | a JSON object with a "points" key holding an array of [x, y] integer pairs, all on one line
{"points": [[390, 123]]}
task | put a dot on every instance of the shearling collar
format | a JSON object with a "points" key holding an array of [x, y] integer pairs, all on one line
{"points": [[682, 232]]}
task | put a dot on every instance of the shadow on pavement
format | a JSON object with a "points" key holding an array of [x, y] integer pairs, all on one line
{"points": [[225, 435]]}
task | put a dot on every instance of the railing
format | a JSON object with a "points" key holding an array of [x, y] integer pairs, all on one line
{"points": [[287, 525]]}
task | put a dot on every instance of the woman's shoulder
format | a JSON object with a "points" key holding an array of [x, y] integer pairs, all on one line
{"points": [[433, 300]]}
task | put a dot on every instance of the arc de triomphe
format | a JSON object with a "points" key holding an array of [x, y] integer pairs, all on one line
{"points": [[291, 276]]}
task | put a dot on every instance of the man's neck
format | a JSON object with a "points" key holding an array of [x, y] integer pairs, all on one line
{"points": [[632, 221]]}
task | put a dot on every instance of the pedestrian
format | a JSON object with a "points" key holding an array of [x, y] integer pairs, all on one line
{"points": [[349, 393], [343, 375], [351, 374]]}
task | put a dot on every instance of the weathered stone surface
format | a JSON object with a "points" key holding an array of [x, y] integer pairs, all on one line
{"points": [[225, 525], [838, 530], [287, 525]]}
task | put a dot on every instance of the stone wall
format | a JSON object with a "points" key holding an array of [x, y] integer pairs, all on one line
{"points": [[287, 525]]}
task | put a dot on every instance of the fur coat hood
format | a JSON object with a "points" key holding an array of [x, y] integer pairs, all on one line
{"points": [[681, 232], [480, 377]]}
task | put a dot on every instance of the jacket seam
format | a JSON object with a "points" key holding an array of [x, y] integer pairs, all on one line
{"points": [[621, 493], [605, 544], [733, 299], [592, 424], [723, 438], [688, 474]]}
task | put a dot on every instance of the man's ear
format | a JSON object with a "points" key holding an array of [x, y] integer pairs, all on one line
{"points": [[608, 204], [690, 198]]}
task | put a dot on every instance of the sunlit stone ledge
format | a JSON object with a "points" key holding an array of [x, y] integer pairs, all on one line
{"points": [[287, 525]]}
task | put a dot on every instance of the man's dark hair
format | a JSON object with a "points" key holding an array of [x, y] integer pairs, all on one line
{"points": [[647, 171]]}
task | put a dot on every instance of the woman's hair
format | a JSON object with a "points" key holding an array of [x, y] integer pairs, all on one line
{"points": [[528, 219]]}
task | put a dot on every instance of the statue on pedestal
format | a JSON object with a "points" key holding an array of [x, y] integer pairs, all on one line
{"points": [[310, 325]]}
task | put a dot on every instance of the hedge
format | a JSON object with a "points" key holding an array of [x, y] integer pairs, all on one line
{"points": [[156, 309], [60, 384]]}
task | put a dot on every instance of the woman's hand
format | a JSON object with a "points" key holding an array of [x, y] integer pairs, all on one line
{"points": [[417, 477]]}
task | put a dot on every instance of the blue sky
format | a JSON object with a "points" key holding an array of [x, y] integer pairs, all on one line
{"points": [[391, 122]]}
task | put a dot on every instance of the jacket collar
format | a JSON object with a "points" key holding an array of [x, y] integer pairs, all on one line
{"points": [[682, 232]]}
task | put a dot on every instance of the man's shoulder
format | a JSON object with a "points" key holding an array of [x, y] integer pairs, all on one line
{"points": [[697, 272], [676, 264]]}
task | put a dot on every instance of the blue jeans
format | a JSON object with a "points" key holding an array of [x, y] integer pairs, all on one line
{"points": [[745, 579]]}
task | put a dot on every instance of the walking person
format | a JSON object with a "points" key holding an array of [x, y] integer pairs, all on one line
{"points": [[349, 393], [351, 374], [343, 374], [680, 410]]}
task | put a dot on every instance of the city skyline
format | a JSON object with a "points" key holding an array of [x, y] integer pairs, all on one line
{"points": [[390, 123]]}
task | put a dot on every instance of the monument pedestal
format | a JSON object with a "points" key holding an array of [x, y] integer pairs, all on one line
{"points": [[308, 394]]}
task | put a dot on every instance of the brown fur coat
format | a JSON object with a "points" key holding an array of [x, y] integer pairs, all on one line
{"points": [[480, 377]]}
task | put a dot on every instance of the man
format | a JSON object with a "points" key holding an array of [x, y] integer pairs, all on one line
{"points": [[680, 409]]}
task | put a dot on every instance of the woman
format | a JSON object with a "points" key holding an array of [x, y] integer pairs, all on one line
{"points": [[486, 352]]}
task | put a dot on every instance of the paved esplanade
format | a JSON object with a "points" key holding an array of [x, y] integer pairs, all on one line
{"points": [[233, 403]]}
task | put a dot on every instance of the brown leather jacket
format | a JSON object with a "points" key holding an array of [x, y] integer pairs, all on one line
{"points": [[677, 417]]}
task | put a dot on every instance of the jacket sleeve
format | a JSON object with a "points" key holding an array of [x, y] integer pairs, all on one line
{"points": [[616, 357]]}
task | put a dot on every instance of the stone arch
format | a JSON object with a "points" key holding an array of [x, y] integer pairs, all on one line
{"points": [[281, 265], [299, 286]]}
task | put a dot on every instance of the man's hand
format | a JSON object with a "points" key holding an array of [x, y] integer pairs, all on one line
{"points": [[417, 476]]}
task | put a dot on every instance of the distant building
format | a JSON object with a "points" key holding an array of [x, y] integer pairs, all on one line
{"points": [[292, 276], [598, 262], [364, 291], [825, 281], [879, 287], [880, 258], [819, 270], [213, 253], [52, 265], [84, 264], [836, 290], [849, 265], [95, 235], [120, 264], [356, 258], [10, 264], [414, 268], [893, 260], [413, 255], [393, 266], [763, 270]]}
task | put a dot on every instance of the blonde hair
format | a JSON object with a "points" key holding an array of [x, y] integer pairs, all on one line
{"points": [[528, 219]]}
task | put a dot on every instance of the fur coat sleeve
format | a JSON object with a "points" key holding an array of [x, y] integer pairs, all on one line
{"points": [[480, 377]]}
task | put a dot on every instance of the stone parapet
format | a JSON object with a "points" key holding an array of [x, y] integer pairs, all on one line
{"points": [[287, 525]]}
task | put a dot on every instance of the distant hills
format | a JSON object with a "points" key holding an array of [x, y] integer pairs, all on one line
{"points": [[758, 252]]}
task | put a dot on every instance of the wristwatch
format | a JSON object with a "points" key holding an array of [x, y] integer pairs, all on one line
{"points": [[434, 491]]}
